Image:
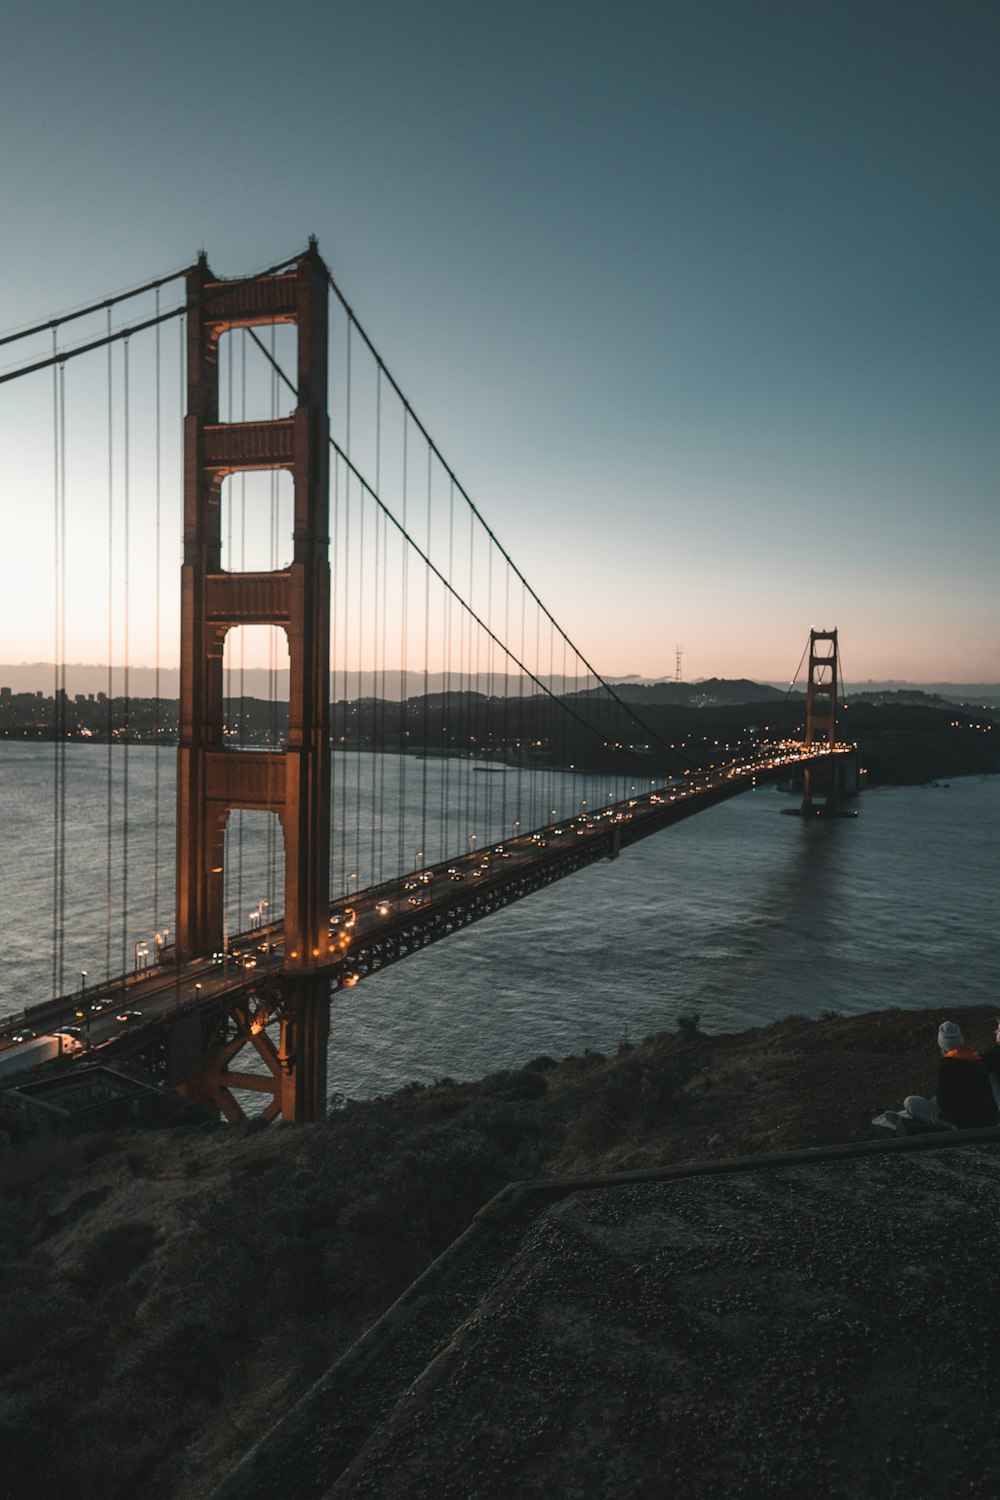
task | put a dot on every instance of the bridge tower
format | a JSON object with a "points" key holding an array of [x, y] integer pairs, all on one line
{"points": [[819, 784], [211, 779]]}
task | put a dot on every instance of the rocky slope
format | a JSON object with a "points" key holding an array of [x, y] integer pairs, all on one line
{"points": [[165, 1295]]}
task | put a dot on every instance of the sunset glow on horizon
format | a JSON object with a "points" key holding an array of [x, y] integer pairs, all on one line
{"points": [[698, 304]]}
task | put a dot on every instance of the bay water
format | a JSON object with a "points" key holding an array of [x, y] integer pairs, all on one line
{"points": [[738, 915]]}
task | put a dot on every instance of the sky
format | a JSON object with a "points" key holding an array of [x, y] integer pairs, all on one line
{"points": [[698, 298]]}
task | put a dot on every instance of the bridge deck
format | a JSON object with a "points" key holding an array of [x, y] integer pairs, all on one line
{"points": [[386, 923]]}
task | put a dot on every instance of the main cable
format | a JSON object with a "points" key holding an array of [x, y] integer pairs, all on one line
{"points": [[222, 290], [474, 509], [83, 312], [409, 417]]}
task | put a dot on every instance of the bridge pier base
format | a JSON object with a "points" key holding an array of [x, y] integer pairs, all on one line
{"points": [[305, 1032], [211, 1068]]}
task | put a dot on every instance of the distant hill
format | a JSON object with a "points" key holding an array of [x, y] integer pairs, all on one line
{"points": [[257, 682], [920, 692], [711, 692]]}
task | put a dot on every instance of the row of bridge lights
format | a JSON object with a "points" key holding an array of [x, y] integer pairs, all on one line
{"points": [[142, 955], [257, 918]]}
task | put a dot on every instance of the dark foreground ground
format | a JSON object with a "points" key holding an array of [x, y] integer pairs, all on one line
{"points": [[167, 1296], [779, 1330]]}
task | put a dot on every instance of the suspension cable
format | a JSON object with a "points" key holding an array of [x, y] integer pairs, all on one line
{"points": [[472, 506], [83, 312], [222, 290], [408, 416], [795, 677], [415, 546]]}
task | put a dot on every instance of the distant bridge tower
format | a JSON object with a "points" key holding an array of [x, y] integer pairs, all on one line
{"points": [[677, 672], [819, 785], [294, 783]]}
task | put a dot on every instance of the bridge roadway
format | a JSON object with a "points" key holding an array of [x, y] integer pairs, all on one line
{"points": [[387, 922]]}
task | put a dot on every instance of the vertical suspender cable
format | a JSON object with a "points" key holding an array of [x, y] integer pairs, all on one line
{"points": [[380, 696], [346, 655], [62, 659], [479, 718], [243, 563], [446, 722], [127, 686], [181, 407], [273, 832], [58, 733], [348, 394], [467, 738], [505, 758], [56, 766], [156, 628], [111, 657], [521, 731], [360, 770], [334, 666], [224, 353], [425, 747], [488, 725], [375, 872], [401, 855]]}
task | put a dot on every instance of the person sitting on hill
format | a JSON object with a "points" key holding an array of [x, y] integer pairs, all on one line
{"points": [[991, 1059], [964, 1098]]}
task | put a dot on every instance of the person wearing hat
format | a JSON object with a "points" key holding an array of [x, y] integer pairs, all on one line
{"points": [[964, 1098]]}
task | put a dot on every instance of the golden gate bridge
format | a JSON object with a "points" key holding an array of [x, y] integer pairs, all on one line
{"points": [[313, 505]]}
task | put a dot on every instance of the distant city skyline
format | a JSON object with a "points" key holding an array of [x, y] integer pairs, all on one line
{"points": [[697, 297], [92, 678]]}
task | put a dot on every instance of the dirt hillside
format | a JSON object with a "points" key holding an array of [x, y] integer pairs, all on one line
{"points": [[165, 1295]]}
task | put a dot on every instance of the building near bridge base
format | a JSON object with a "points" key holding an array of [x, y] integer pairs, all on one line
{"points": [[94, 1098]]}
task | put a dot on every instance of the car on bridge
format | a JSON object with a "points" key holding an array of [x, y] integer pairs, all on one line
{"points": [[126, 1016]]}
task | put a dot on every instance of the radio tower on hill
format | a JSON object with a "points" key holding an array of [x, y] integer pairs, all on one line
{"points": [[677, 670]]}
